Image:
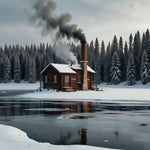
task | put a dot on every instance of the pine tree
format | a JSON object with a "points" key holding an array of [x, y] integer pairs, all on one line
{"points": [[144, 69], [122, 60], [147, 36], [148, 51], [130, 44], [126, 52], [17, 70], [102, 59], [131, 78], [107, 64], [114, 46], [137, 54], [32, 71], [91, 54], [98, 72], [115, 69], [96, 53], [1, 70], [144, 43], [7, 70]]}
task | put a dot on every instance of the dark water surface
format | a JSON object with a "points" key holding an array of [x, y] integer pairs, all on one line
{"points": [[120, 126]]}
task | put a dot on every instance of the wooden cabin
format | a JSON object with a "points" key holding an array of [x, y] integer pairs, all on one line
{"points": [[66, 77]]}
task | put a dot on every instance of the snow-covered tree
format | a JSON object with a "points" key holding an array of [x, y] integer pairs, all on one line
{"points": [[144, 69], [131, 78], [7, 70], [32, 71], [107, 64], [137, 53], [148, 50], [115, 69], [122, 60], [17, 70]]}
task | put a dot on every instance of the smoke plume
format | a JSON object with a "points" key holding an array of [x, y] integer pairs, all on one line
{"points": [[43, 16], [63, 51]]}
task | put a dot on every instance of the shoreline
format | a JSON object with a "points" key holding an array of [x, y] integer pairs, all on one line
{"points": [[13, 138]]}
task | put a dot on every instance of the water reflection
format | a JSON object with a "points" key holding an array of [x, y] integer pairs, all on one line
{"points": [[16, 108], [119, 126], [83, 136]]}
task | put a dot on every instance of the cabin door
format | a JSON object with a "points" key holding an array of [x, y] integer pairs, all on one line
{"points": [[67, 81]]}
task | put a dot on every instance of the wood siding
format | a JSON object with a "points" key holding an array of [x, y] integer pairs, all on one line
{"points": [[61, 84]]}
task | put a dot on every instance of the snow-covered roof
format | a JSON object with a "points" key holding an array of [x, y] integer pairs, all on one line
{"points": [[64, 68], [78, 67], [89, 69]]}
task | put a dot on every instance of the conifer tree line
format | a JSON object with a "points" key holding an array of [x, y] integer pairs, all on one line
{"points": [[115, 62]]}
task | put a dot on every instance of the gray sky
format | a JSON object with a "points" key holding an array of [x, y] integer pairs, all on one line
{"points": [[98, 18]]}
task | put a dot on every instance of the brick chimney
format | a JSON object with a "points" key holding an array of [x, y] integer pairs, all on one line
{"points": [[83, 64]]}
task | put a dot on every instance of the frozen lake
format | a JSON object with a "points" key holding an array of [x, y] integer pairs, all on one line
{"points": [[120, 126]]}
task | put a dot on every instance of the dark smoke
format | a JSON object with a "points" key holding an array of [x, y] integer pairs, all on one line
{"points": [[43, 17]]}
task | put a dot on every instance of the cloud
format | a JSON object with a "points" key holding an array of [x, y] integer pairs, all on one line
{"points": [[116, 18], [93, 2], [98, 18]]}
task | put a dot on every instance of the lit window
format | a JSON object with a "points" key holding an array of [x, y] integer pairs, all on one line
{"points": [[67, 78], [46, 79], [55, 79], [79, 79]]}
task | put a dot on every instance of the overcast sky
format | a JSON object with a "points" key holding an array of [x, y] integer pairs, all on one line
{"points": [[98, 18]]}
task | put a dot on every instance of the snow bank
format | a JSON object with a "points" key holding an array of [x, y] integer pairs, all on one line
{"points": [[107, 93], [19, 86], [13, 139]]}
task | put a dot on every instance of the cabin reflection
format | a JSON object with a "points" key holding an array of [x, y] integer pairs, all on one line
{"points": [[17, 108], [78, 107], [84, 136]]}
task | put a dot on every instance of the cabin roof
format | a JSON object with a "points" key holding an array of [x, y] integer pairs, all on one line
{"points": [[78, 67], [64, 68]]}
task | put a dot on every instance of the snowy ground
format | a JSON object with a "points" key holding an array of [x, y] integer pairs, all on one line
{"points": [[107, 93], [19, 86], [12, 139]]}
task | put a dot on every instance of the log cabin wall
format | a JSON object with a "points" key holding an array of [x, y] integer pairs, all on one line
{"points": [[75, 84], [50, 73], [61, 84], [89, 78]]}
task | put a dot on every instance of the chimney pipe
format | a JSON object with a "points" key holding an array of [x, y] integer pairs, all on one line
{"points": [[83, 64]]}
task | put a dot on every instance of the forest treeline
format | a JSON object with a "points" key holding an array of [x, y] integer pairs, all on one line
{"points": [[115, 62]]}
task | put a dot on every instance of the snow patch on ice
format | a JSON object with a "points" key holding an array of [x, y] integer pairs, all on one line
{"points": [[19, 86], [12, 139]]}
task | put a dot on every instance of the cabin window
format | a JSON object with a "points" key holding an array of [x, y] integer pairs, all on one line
{"points": [[67, 78], [46, 79], [55, 79], [79, 79]]}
